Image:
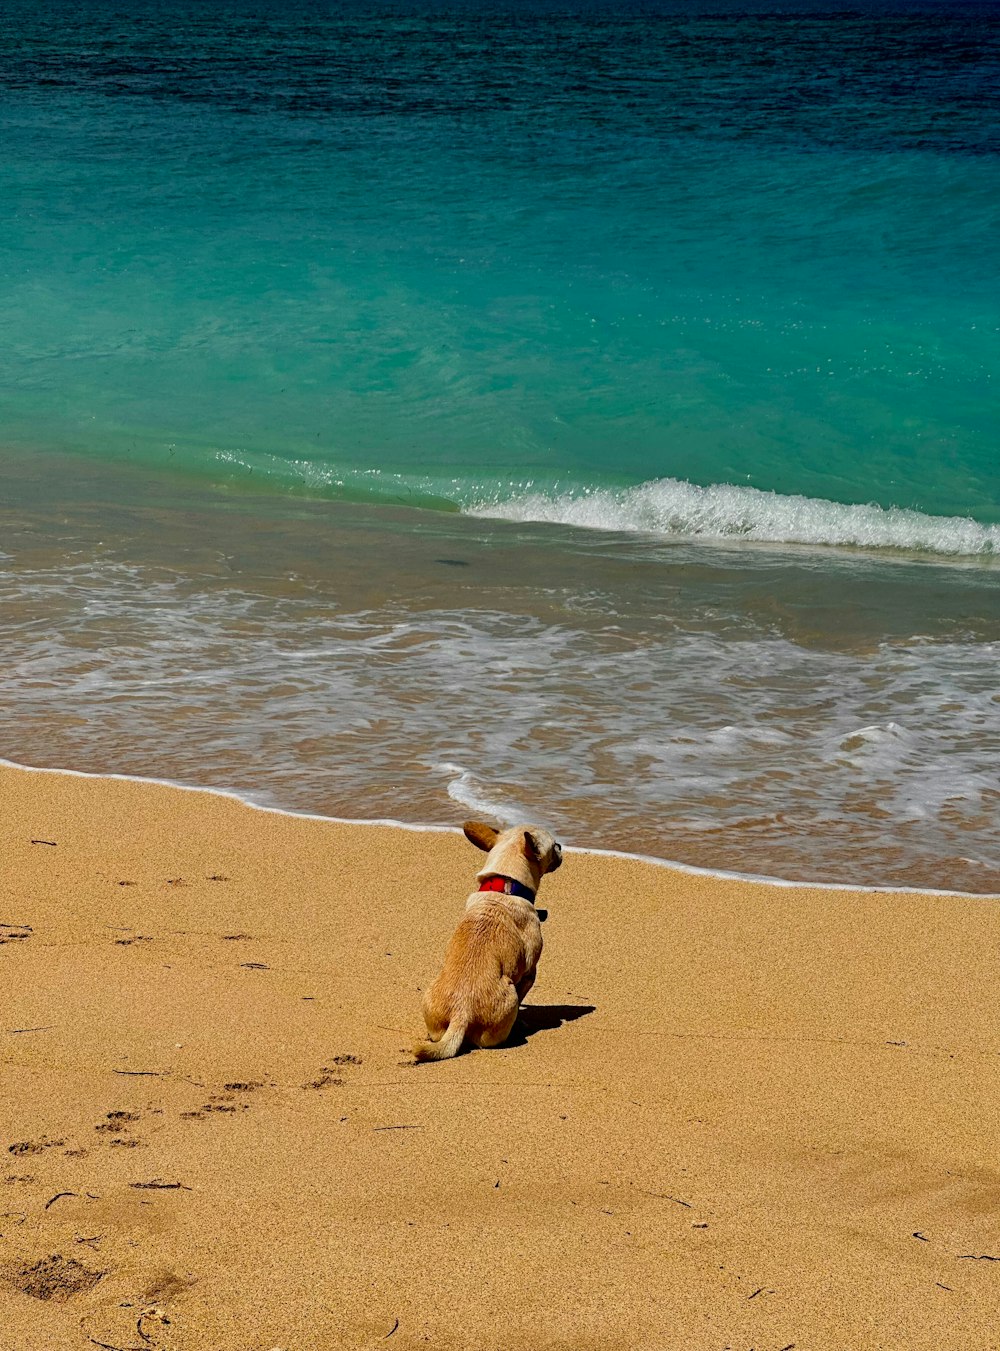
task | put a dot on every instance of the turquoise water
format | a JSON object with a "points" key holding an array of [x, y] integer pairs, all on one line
{"points": [[463, 255]]}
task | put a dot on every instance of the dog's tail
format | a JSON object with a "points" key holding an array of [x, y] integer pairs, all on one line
{"points": [[449, 1045]]}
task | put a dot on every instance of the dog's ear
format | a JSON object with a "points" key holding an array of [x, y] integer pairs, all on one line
{"points": [[542, 856], [482, 836]]}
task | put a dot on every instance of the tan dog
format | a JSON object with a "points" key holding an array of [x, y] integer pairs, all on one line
{"points": [[490, 963]]}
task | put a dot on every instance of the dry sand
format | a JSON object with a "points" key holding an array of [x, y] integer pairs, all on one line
{"points": [[741, 1116]]}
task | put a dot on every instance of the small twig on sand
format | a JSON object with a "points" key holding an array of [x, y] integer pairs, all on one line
{"points": [[142, 1074], [15, 1030], [157, 1185], [57, 1197], [397, 1128], [391, 1331], [51, 843], [148, 1313], [662, 1196]]}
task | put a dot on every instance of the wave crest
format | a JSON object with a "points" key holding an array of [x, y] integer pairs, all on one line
{"points": [[670, 506]]}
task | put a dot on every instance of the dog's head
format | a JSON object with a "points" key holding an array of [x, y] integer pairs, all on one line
{"points": [[540, 851]]}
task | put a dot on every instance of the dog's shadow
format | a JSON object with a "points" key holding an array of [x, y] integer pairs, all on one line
{"points": [[534, 1018]]}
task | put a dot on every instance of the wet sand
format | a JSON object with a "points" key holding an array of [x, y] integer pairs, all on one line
{"points": [[736, 1116]]}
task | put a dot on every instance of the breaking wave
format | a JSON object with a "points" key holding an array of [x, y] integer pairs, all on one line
{"points": [[724, 511]]}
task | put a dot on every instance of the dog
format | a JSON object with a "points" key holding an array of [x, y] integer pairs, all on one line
{"points": [[490, 963]]}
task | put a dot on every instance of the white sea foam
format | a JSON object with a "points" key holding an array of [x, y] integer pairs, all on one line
{"points": [[687, 717], [464, 789], [424, 828], [723, 511]]}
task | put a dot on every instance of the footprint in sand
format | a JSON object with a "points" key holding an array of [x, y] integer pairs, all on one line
{"points": [[166, 1284], [327, 1077], [324, 1080], [227, 1101], [118, 1124], [54, 1277], [34, 1146], [224, 1102]]}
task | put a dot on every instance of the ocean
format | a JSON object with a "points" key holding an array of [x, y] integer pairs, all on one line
{"points": [[581, 412]]}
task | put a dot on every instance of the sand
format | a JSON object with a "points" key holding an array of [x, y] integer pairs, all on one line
{"points": [[738, 1115]]}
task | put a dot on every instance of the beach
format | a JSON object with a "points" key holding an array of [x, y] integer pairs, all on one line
{"points": [[579, 415], [736, 1114]]}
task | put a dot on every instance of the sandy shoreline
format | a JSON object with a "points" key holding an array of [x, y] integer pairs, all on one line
{"points": [[742, 1115], [429, 828]]}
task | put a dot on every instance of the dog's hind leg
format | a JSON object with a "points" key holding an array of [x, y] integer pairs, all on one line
{"points": [[496, 1032], [524, 985]]}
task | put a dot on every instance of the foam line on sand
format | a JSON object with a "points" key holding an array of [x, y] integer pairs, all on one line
{"points": [[430, 828]]}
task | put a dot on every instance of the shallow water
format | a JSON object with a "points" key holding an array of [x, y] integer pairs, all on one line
{"points": [[800, 713]]}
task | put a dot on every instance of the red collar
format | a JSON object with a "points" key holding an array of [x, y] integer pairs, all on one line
{"points": [[508, 886]]}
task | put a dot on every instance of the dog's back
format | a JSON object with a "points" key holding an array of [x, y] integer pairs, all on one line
{"points": [[489, 965], [476, 996]]}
